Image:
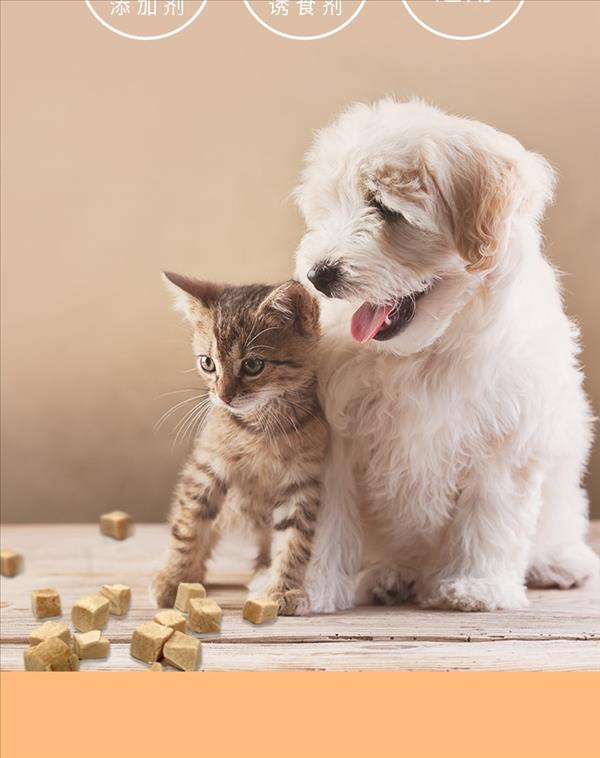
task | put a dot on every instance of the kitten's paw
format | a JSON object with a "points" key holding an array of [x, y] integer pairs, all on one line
{"points": [[291, 602], [163, 591], [469, 594]]}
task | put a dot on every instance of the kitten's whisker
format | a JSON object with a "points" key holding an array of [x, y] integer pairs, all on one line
{"points": [[182, 424], [197, 421], [263, 331], [183, 419], [267, 421], [300, 407], [292, 421], [278, 423], [200, 421], [172, 410], [184, 432], [174, 392], [270, 425], [252, 336], [201, 404], [261, 347]]}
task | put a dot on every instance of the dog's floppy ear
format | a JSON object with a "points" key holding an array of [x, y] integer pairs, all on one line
{"points": [[479, 192], [192, 297], [481, 188]]}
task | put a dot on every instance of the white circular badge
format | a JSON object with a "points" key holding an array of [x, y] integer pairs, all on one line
{"points": [[286, 18], [427, 11], [166, 12]]}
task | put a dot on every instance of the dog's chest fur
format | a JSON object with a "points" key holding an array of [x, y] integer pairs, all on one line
{"points": [[413, 431]]}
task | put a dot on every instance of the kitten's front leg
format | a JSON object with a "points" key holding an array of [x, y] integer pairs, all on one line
{"points": [[294, 520], [196, 504]]}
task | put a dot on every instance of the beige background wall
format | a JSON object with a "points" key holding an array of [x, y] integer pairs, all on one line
{"points": [[122, 158]]}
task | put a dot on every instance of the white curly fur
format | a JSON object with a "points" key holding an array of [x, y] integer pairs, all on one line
{"points": [[459, 445]]}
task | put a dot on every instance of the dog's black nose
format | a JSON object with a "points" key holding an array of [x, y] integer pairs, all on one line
{"points": [[324, 276]]}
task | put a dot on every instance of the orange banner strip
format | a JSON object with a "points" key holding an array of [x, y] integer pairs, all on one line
{"points": [[100, 715]]}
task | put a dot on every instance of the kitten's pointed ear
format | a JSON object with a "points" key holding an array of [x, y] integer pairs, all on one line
{"points": [[191, 296], [292, 304]]}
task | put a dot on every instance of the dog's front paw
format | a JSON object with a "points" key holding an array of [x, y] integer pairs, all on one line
{"points": [[291, 602], [163, 591], [566, 566], [468, 594], [391, 587], [324, 600], [258, 586]]}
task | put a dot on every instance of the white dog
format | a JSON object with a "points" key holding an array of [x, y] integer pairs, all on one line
{"points": [[450, 373]]}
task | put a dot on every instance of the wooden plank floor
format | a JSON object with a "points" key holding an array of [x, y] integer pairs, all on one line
{"points": [[559, 631]]}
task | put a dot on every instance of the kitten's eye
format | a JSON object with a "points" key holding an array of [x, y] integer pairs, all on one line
{"points": [[206, 364], [252, 366], [387, 213]]}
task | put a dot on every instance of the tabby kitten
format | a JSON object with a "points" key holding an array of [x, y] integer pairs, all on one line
{"points": [[260, 451]]}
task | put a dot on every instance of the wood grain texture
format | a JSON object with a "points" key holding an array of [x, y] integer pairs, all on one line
{"points": [[559, 631]]}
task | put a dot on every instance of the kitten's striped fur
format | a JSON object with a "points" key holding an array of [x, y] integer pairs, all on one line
{"points": [[260, 455]]}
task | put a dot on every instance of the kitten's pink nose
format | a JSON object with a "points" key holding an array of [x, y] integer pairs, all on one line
{"points": [[226, 398]]}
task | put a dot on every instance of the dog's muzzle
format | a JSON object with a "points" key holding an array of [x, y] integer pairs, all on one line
{"points": [[323, 277]]}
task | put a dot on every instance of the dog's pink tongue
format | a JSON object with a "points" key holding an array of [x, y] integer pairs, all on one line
{"points": [[367, 320]]}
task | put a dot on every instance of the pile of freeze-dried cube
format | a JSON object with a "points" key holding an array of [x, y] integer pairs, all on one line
{"points": [[53, 647], [166, 639]]}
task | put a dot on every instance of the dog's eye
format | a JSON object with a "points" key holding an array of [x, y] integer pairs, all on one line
{"points": [[386, 213]]}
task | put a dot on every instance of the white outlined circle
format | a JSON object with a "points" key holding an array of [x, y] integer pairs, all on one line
{"points": [[299, 37], [140, 37], [466, 37]]}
